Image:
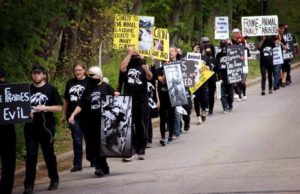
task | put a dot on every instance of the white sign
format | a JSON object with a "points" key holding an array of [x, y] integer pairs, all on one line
{"points": [[277, 56], [260, 25], [193, 56], [246, 65], [221, 28]]}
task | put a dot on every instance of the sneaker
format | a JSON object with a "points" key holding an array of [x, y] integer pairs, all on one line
{"points": [[282, 84], [169, 141], [244, 98], [141, 157], [203, 118], [225, 111], [187, 128], [149, 145], [263, 93], [162, 142], [199, 121], [53, 185], [287, 83], [230, 109], [76, 169], [99, 173], [238, 100], [128, 159], [236, 96], [270, 91], [28, 190]]}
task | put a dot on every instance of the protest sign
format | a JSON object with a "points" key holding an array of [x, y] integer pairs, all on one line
{"points": [[288, 53], [193, 56], [146, 26], [254, 52], [246, 64], [277, 55], [235, 63], [188, 70], [221, 28], [205, 74], [14, 103], [116, 126], [260, 25], [175, 85]]}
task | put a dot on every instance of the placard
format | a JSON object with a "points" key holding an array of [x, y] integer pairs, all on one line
{"points": [[246, 63], [116, 126], [235, 63], [188, 70], [221, 28], [260, 25], [193, 56], [277, 55], [175, 85], [15, 103], [146, 26], [288, 53], [205, 74]]}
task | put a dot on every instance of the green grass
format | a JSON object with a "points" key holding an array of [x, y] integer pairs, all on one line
{"points": [[254, 69]]}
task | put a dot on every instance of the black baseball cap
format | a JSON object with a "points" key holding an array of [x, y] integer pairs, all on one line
{"points": [[2, 73], [37, 69]]}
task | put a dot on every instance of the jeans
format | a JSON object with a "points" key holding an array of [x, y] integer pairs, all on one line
{"points": [[77, 136], [276, 72], [264, 68], [8, 157], [226, 96], [35, 135]]}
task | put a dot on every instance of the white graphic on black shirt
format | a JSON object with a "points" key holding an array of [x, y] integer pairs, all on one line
{"points": [[95, 100], [150, 90], [134, 77], [223, 62], [38, 99], [76, 92], [267, 51]]}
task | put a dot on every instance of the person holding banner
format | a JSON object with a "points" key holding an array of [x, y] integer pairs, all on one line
{"points": [[278, 60], [226, 87], [90, 104], [45, 101], [7, 151], [137, 73], [265, 47]]}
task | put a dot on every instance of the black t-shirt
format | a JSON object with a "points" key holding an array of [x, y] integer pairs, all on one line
{"points": [[162, 89], [266, 51], [46, 95], [222, 66], [136, 83], [73, 93]]}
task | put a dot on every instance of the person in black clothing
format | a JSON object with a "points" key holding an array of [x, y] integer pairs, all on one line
{"points": [[45, 101], [73, 92], [90, 104], [211, 62], [135, 85], [226, 88], [266, 46], [7, 151]]}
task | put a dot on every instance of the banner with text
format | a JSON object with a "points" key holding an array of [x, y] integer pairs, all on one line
{"points": [[235, 63], [14, 103], [205, 74], [188, 69], [260, 25], [277, 56], [221, 28]]}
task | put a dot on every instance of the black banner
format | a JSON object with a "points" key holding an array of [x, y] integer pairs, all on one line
{"points": [[188, 70], [14, 103], [235, 63]]}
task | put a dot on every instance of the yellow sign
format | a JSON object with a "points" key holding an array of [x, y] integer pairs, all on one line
{"points": [[160, 48], [126, 31], [204, 76]]}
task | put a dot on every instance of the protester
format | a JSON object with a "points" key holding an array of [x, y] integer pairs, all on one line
{"points": [[136, 75], [45, 101], [265, 47], [277, 67], [286, 67], [7, 151], [226, 87], [90, 103], [73, 92], [211, 62]]}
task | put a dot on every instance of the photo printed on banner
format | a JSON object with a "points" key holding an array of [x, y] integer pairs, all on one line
{"points": [[116, 126], [146, 33]]}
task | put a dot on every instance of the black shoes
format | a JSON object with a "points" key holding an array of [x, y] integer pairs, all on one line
{"points": [[101, 172], [263, 93], [28, 190], [53, 185], [76, 169]]}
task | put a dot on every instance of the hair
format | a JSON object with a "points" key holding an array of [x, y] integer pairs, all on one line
{"points": [[81, 64]]}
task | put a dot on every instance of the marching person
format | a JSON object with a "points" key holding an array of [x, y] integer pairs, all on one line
{"points": [[45, 101], [73, 92], [7, 151], [90, 104], [137, 73]]}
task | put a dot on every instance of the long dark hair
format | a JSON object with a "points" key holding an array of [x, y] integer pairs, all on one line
{"points": [[81, 64]]}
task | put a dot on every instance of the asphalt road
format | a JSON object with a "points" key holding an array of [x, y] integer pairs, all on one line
{"points": [[254, 149]]}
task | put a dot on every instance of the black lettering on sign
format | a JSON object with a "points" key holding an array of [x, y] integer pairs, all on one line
{"points": [[235, 63]]}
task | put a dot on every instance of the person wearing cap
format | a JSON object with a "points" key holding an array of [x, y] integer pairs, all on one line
{"points": [[90, 105], [7, 151], [45, 101], [207, 43], [137, 73]]}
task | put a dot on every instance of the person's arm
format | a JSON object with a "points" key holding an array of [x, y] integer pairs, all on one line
{"points": [[77, 110], [157, 97], [149, 74], [43, 108], [126, 60], [65, 108], [260, 44]]}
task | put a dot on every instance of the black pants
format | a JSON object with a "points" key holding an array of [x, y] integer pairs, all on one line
{"points": [[141, 120], [188, 108], [100, 162], [200, 100], [211, 93], [167, 116], [89, 143], [8, 157], [35, 135], [288, 71], [227, 96], [264, 69]]}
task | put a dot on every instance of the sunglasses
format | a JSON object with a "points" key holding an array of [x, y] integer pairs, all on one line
{"points": [[91, 75]]}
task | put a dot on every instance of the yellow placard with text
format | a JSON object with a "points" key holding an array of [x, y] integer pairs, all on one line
{"points": [[204, 76], [126, 30]]}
